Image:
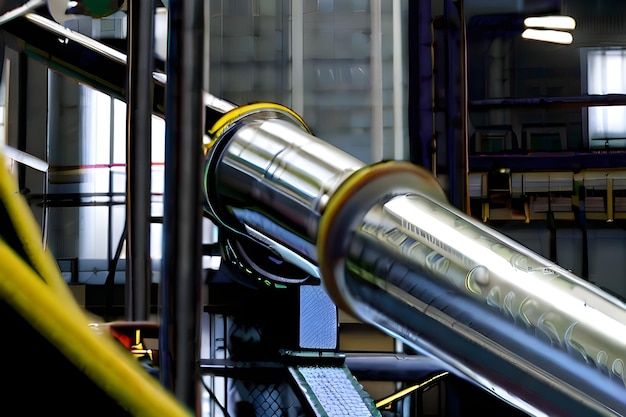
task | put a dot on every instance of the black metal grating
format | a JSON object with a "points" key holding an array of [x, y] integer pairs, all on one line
{"points": [[271, 399]]}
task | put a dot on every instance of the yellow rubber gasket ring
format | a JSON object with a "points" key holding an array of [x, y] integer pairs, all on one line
{"points": [[230, 117], [400, 175]]}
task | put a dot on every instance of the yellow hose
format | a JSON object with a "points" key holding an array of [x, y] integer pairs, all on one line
{"points": [[29, 233], [66, 327], [41, 295]]}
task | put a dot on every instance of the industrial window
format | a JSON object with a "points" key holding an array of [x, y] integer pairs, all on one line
{"points": [[103, 127], [605, 74]]}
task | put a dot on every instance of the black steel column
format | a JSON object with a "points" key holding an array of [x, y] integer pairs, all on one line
{"points": [[464, 110], [421, 123], [182, 222], [456, 104], [138, 158]]}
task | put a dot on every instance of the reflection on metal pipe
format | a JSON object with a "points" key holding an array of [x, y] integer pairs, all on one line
{"points": [[491, 309], [392, 252]]}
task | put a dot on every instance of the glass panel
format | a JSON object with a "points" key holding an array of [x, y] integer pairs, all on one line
{"points": [[605, 75], [321, 59], [522, 82], [87, 188]]}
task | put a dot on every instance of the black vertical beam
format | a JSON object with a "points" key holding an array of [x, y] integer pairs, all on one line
{"points": [[420, 100], [456, 104], [463, 162], [139, 158], [22, 115], [182, 222], [452, 100]]}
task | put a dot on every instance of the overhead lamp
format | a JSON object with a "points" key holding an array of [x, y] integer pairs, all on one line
{"points": [[551, 22], [549, 29], [554, 36]]}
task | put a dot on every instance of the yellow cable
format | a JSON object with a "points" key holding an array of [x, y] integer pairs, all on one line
{"points": [[29, 233], [64, 324], [408, 390], [43, 298]]}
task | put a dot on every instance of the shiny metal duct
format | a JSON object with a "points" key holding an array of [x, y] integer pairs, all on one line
{"points": [[267, 181], [391, 251]]}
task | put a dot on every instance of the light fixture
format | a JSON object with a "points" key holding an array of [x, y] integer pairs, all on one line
{"points": [[544, 35], [549, 29], [550, 22]]}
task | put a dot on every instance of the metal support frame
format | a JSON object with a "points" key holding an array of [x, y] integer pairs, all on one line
{"points": [[182, 243], [138, 158]]}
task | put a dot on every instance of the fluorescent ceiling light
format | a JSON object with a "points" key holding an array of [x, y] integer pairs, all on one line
{"points": [[550, 22], [554, 36]]}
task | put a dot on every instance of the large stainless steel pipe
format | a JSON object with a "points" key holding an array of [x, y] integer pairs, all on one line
{"points": [[267, 180], [391, 251]]}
